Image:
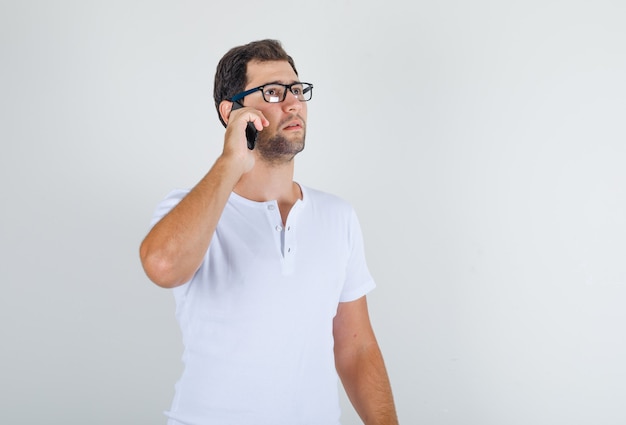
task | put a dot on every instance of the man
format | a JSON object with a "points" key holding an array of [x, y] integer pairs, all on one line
{"points": [[269, 276]]}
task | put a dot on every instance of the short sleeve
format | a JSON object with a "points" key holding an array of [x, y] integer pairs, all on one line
{"points": [[167, 204], [358, 278]]}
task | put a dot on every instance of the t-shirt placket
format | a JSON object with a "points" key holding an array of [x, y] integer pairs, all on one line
{"points": [[284, 236]]}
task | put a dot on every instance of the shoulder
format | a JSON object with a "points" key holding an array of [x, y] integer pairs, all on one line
{"points": [[170, 201], [176, 195], [319, 199], [330, 210], [173, 198]]}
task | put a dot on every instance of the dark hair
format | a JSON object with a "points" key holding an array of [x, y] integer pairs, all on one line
{"points": [[231, 74]]}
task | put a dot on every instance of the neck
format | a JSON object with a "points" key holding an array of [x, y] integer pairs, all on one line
{"points": [[266, 182]]}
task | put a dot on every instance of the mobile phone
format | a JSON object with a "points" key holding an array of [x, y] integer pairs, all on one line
{"points": [[251, 131]]}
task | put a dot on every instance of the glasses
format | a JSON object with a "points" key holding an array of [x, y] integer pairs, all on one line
{"points": [[276, 92]]}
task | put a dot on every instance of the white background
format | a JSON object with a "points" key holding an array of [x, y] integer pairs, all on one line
{"points": [[482, 144]]}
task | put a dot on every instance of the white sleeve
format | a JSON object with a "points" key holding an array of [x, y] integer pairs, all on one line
{"points": [[358, 279], [165, 206]]}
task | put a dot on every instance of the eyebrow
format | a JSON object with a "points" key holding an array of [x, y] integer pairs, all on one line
{"points": [[280, 82]]}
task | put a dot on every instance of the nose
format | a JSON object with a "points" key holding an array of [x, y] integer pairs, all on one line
{"points": [[291, 103]]}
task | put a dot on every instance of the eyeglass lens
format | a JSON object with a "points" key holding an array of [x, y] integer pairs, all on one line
{"points": [[274, 93]]}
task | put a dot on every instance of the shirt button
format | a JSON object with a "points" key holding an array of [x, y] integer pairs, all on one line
{"points": [[279, 228], [270, 207]]}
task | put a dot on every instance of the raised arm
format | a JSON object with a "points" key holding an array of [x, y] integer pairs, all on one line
{"points": [[360, 365], [174, 248]]}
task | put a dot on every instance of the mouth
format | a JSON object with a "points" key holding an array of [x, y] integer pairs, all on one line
{"points": [[293, 126]]}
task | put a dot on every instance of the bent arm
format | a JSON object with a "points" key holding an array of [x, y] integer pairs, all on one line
{"points": [[174, 248], [360, 364]]}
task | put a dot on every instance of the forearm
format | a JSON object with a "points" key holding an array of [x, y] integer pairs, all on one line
{"points": [[366, 382], [174, 248]]}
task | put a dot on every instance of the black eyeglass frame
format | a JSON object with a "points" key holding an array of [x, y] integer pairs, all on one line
{"points": [[239, 96]]}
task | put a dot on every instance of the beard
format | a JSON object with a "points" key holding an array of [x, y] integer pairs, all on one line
{"points": [[276, 149]]}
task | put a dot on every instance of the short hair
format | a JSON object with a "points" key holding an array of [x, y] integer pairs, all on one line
{"points": [[231, 75]]}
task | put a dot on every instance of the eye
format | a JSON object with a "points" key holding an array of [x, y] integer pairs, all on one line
{"points": [[273, 93]]}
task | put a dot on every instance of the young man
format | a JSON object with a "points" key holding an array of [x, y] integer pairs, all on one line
{"points": [[269, 276]]}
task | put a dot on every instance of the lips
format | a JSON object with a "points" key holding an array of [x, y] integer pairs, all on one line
{"points": [[293, 123], [293, 126]]}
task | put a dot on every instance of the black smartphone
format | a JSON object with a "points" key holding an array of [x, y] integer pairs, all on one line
{"points": [[251, 131]]}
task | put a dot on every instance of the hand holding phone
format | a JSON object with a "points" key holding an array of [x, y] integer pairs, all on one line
{"points": [[251, 131]]}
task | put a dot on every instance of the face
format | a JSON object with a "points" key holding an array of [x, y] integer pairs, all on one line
{"points": [[284, 138]]}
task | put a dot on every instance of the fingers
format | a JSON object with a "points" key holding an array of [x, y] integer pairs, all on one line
{"points": [[254, 116], [247, 114], [238, 137]]}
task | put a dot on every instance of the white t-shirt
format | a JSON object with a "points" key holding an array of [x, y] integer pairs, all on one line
{"points": [[257, 316]]}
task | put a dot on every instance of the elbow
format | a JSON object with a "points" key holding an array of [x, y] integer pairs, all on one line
{"points": [[159, 268]]}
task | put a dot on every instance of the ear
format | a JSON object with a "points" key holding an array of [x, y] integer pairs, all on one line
{"points": [[225, 107]]}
